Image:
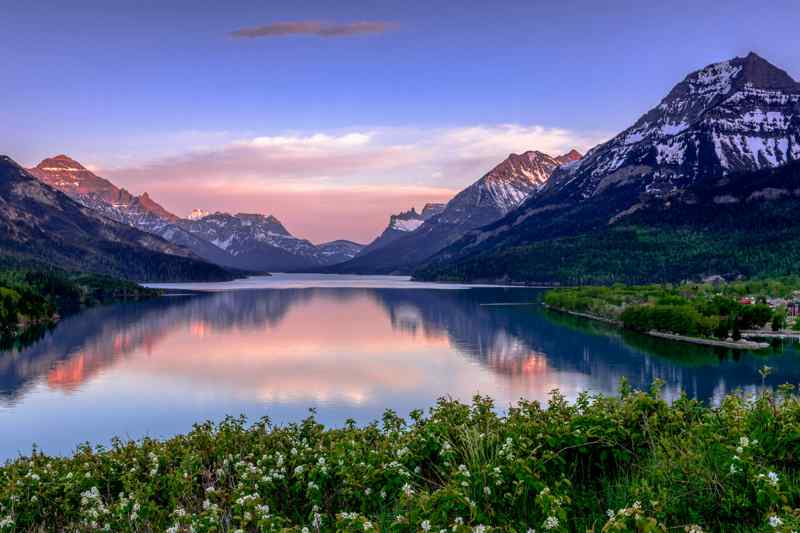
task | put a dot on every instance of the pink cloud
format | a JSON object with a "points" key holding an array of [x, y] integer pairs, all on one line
{"points": [[326, 186], [318, 215]]}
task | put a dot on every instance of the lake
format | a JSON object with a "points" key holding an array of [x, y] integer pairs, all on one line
{"points": [[346, 346]]}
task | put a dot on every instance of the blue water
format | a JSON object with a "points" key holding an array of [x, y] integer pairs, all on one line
{"points": [[350, 347]]}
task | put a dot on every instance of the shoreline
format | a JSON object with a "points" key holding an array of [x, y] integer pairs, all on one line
{"points": [[784, 334], [735, 345]]}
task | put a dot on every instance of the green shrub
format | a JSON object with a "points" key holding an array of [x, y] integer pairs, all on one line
{"points": [[754, 316], [629, 463], [680, 319]]}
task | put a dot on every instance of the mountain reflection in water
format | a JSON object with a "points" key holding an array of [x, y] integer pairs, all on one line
{"points": [[154, 368]]}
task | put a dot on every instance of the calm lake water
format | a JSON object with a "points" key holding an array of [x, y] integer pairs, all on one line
{"points": [[348, 346]]}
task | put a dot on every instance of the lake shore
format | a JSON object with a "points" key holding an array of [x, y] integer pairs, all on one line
{"points": [[735, 345], [454, 469]]}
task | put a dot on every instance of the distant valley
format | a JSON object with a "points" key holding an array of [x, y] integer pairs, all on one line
{"points": [[707, 183]]}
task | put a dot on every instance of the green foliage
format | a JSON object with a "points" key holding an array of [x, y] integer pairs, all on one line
{"points": [[779, 320], [753, 316], [611, 464], [680, 319], [31, 298], [630, 254], [694, 309]]}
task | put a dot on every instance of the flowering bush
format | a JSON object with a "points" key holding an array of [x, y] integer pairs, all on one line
{"points": [[601, 464]]}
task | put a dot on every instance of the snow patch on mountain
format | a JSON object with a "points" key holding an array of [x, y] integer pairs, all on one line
{"points": [[735, 116], [406, 225]]}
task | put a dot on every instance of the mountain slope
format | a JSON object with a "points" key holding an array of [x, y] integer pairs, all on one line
{"points": [[338, 251], [716, 131], [402, 224], [70, 177], [495, 194], [44, 228], [142, 212], [254, 241]]}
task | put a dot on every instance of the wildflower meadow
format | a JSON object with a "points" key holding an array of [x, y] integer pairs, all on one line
{"points": [[632, 462]]}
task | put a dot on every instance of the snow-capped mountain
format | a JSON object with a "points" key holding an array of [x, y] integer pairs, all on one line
{"points": [[716, 157], [42, 226], [403, 223], [141, 212], [735, 116], [495, 194], [502, 189], [197, 214], [262, 243], [254, 241], [247, 241]]}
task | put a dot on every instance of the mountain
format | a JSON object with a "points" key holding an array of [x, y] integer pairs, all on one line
{"points": [[495, 194], [250, 242], [339, 251], [142, 212], [40, 227], [402, 224], [197, 214], [259, 242], [67, 175], [690, 189]]}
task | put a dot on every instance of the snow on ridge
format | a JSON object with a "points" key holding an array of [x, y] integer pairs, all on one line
{"points": [[714, 80], [507, 196], [406, 225]]}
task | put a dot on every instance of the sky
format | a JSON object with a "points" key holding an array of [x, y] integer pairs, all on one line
{"points": [[331, 115]]}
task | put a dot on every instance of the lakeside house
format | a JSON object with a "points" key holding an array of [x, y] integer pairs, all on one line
{"points": [[792, 304]]}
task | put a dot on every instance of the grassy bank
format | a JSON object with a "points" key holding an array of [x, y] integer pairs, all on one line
{"points": [[628, 463], [30, 300], [708, 311]]}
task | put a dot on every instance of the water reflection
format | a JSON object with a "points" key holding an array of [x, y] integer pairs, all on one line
{"points": [[156, 367]]}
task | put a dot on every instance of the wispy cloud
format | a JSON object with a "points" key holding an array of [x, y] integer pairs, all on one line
{"points": [[338, 184], [312, 27]]}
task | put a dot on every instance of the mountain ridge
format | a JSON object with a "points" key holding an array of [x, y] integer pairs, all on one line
{"points": [[493, 195], [722, 123], [41, 227], [272, 249]]}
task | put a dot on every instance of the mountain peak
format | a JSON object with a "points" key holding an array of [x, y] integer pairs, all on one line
{"points": [[151, 206], [762, 74], [70, 177], [572, 155], [60, 162]]}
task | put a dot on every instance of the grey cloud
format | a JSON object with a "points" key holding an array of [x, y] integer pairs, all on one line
{"points": [[310, 27]]}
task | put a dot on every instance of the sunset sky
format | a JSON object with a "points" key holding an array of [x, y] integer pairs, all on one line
{"points": [[332, 115]]}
